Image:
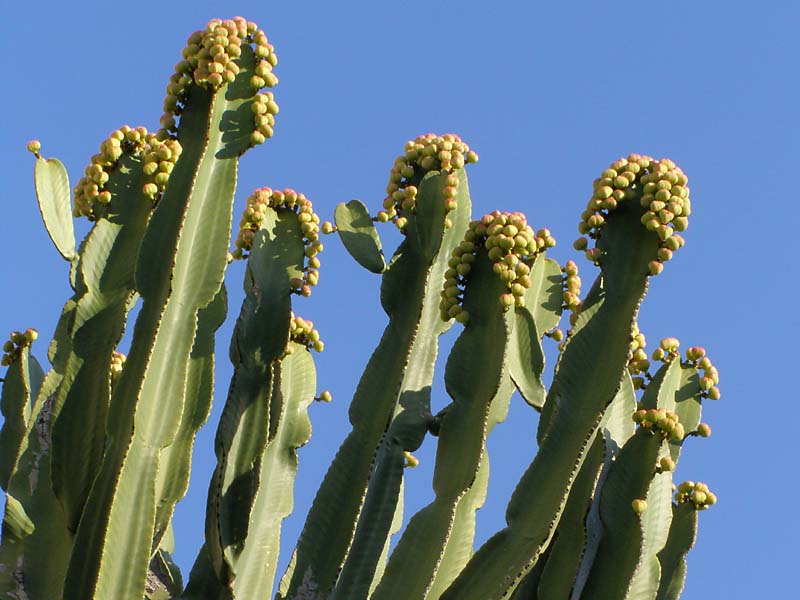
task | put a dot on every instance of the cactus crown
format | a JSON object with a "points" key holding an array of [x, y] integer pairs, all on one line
{"points": [[512, 246], [429, 152], [158, 158], [288, 199], [210, 61], [661, 188]]}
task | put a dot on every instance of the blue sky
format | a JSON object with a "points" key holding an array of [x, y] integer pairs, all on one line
{"points": [[548, 94]]}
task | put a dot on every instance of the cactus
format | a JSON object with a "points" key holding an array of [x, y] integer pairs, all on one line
{"points": [[96, 452]]}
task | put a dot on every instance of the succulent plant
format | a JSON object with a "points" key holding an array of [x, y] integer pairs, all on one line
{"points": [[95, 451]]}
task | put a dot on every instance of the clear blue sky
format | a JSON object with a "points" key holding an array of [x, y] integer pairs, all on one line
{"points": [[548, 94]]}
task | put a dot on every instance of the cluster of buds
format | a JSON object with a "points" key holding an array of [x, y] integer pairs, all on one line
{"points": [[17, 341], [662, 189], [117, 363], [158, 159], [695, 356], [264, 110], [303, 333], [638, 364], [572, 290], [667, 350], [288, 199], [512, 246], [660, 420], [696, 493], [210, 61], [429, 152], [709, 378]]}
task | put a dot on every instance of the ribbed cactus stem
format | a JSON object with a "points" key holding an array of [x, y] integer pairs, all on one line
{"points": [[176, 277], [393, 394]]}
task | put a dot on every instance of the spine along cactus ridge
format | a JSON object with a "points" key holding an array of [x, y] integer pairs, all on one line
{"points": [[95, 446]]}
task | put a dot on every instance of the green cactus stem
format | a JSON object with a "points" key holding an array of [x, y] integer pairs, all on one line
{"points": [[104, 284], [601, 338], [264, 419], [393, 396], [175, 277], [481, 395]]}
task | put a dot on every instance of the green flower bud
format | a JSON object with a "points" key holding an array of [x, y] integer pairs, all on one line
{"points": [[655, 267], [325, 396], [667, 464], [34, 146], [704, 430], [639, 506], [411, 460]]}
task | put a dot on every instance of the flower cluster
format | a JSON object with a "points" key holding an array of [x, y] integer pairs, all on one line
{"points": [[117, 363], [158, 158], [638, 364], [303, 332], [695, 356], [288, 199], [210, 61], [662, 421], [512, 246], [428, 152], [17, 341], [662, 190], [572, 290], [709, 378], [696, 493], [264, 109]]}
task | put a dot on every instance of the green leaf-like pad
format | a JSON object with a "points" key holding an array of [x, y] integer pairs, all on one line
{"points": [[52, 191], [359, 235]]}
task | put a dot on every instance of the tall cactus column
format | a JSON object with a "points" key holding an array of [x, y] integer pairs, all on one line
{"points": [[428, 200], [265, 417], [491, 271], [215, 95], [630, 238]]}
